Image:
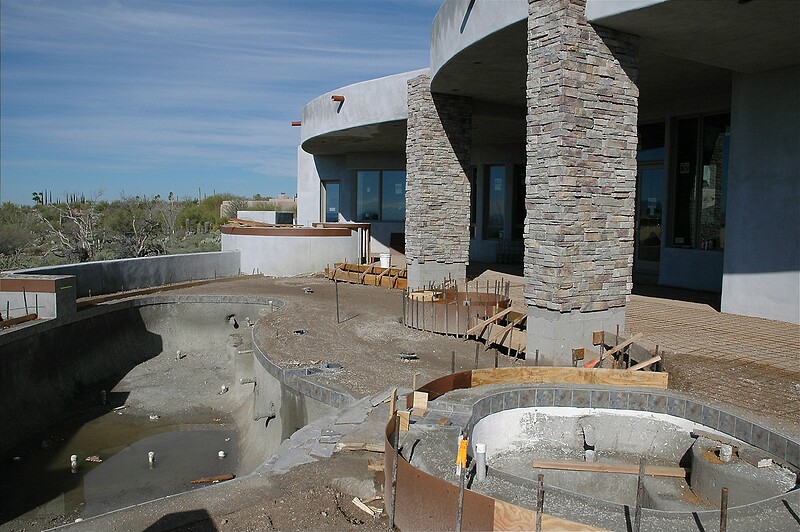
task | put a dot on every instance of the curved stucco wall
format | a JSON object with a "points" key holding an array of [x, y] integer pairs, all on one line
{"points": [[461, 23], [368, 102]]}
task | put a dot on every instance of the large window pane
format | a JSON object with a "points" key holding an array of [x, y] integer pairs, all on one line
{"points": [[518, 202], [368, 195], [495, 201], [331, 201], [684, 192], [651, 142], [716, 142], [393, 196]]}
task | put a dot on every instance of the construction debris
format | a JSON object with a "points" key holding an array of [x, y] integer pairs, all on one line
{"points": [[369, 274]]}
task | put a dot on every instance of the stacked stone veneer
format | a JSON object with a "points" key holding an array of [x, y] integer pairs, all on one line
{"points": [[581, 160], [438, 145]]}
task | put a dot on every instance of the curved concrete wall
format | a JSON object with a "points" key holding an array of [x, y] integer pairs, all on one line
{"points": [[282, 256], [368, 102], [461, 23], [109, 276]]}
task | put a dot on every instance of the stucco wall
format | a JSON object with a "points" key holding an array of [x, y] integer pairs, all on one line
{"points": [[282, 256], [461, 23], [368, 102], [762, 253], [695, 269], [108, 276]]}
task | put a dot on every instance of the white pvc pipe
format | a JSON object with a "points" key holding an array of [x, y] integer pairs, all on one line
{"points": [[480, 458]]}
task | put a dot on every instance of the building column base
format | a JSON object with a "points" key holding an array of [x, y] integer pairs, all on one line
{"points": [[422, 274], [555, 334]]}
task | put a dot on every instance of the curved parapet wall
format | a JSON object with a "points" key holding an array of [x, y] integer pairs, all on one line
{"points": [[367, 103], [426, 501], [460, 24]]}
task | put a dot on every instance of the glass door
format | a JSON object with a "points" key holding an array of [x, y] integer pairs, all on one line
{"points": [[330, 201], [648, 228]]}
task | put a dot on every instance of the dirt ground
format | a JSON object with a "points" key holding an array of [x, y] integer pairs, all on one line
{"points": [[367, 340]]}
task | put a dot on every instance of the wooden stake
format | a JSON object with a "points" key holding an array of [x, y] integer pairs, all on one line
{"points": [[393, 403], [637, 516], [539, 502], [723, 510], [336, 283], [452, 362], [393, 500]]}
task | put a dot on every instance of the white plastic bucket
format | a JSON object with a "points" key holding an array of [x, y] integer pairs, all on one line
{"points": [[386, 260]]}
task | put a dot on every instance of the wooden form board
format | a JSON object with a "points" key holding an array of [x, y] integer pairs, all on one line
{"points": [[508, 516], [602, 467], [610, 377], [417, 402], [514, 340], [379, 278]]}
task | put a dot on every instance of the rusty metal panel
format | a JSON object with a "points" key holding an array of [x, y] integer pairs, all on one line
{"points": [[442, 385]]}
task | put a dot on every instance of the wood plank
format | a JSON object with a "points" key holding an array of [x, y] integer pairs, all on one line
{"points": [[515, 319], [603, 467], [508, 516], [16, 321], [486, 322], [361, 446], [213, 480], [620, 347], [543, 374], [648, 362]]}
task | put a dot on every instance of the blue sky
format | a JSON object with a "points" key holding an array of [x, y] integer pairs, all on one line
{"points": [[148, 97]]}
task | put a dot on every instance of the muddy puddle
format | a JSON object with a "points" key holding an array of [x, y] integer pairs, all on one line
{"points": [[38, 481]]}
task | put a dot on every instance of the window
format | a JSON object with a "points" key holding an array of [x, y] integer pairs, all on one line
{"points": [[381, 195], [699, 182], [518, 201], [495, 201]]}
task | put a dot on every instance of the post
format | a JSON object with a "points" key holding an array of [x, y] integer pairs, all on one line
{"points": [[637, 515], [460, 511], [536, 359], [25, 300], [496, 353], [458, 322], [539, 502], [336, 284], [452, 362], [723, 510], [477, 346], [393, 499], [404, 306]]}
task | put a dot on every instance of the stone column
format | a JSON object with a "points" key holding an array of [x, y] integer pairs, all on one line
{"points": [[438, 144], [580, 177]]}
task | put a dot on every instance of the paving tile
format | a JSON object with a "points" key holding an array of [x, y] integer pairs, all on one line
{"points": [[544, 397], [777, 445], [563, 397], [727, 423], [743, 430], [527, 398], [694, 411], [599, 398], [580, 398], [760, 437], [637, 401], [710, 417]]}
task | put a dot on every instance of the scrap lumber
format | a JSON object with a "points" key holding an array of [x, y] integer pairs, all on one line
{"points": [[754, 457], [213, 480], [613, 351], [363, 507], [648, 362], [602, 467], [360, 446], [17, 321], [482, 325], [503, 333]]}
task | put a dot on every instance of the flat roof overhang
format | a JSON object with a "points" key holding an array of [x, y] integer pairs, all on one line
{"points": [[687, 48], [383, 137]]}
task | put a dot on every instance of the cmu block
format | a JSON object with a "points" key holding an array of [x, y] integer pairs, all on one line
{"points": [[581, 160], [438, 145]]}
